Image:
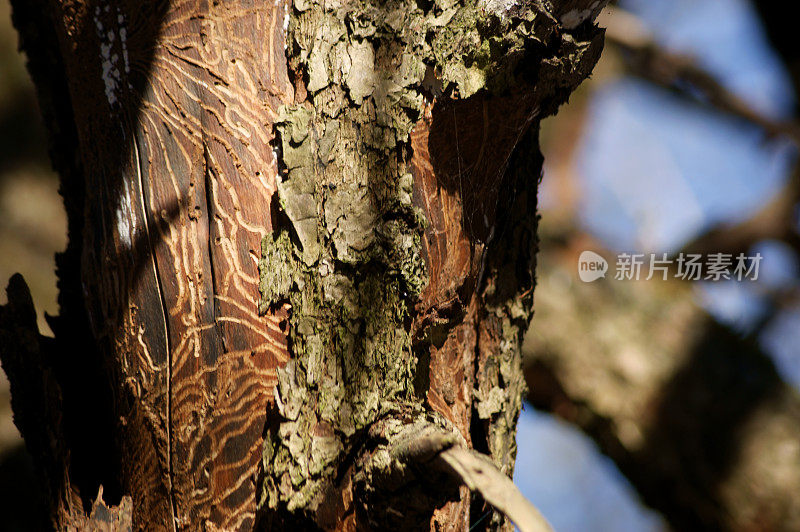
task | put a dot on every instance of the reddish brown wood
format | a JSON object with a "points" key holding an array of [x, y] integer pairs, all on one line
{"points": [[174, 104], [461, 149]]}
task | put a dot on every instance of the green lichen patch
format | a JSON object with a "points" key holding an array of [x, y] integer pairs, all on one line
{"points": [[349, 260], [277, 278], [351, 357]]}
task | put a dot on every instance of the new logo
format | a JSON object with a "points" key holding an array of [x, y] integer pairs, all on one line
{"points": [[591, 266]]}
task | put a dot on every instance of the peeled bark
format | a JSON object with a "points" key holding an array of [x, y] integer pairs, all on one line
{"points": [[379, 163]]}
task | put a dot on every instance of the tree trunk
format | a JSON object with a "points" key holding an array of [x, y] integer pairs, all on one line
{"points": [[295, 232]]}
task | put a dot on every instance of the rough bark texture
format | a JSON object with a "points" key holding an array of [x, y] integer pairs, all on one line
{"points": [[693, 414], [396, 259], [413, 136]]}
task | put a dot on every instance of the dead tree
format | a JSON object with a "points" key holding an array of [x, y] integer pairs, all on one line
{"points": [[301, 255]]}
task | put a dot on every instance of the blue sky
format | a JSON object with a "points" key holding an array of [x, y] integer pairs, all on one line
{"points": [[655, 170]]}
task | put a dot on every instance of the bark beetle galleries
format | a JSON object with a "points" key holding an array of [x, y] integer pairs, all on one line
{"points": [[396, 259]]}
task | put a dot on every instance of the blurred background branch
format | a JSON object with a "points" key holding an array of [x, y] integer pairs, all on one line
{"points": [[685, 141], [693, 413], [690, 388], [681, 72]]}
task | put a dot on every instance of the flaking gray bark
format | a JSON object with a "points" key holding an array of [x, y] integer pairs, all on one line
{"points": [[379, 161]]}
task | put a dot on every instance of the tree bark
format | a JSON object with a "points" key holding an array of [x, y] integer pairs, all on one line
{"points": [[294, 229]]}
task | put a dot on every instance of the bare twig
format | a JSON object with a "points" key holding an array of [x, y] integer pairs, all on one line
{"points": [[428, 444], [479, 474], [626, 31]]}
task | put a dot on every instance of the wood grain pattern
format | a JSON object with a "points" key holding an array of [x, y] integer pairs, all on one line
{"points": [[461, 149], [175, 102]]}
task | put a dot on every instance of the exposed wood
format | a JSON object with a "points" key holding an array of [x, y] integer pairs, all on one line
{"points": [[101, 518], [173, 105], [189, 116]]}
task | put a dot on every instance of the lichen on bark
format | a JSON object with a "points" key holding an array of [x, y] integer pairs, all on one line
{"points": [[351, 362], [348, 259], [508, 308]]}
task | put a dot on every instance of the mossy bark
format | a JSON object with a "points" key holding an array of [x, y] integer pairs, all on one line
{"points": [[405, 248], [379, 161]]}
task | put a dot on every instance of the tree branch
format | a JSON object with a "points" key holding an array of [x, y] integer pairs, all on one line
{"points": [[695, 415], [480, 475], [426, 444], [666, 68]]}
